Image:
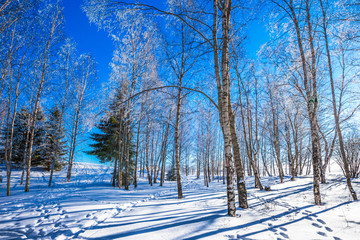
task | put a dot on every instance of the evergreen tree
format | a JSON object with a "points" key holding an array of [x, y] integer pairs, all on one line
{"points": [[19, 141], [105, 147], [55, 146], [113, 141], [40, 140]]}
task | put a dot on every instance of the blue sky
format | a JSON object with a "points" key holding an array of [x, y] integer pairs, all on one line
{"points": [[90, 39]]}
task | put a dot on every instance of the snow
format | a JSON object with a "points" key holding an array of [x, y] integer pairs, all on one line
{"points": [[88, 207]]}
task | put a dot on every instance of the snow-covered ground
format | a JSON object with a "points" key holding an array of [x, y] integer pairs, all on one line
{"points": [[90, 208]]}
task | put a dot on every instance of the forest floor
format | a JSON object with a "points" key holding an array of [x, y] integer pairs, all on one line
{"points": [[88, 207]]}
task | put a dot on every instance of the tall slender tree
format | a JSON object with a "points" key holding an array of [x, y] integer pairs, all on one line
{"points": [[50, 24]]}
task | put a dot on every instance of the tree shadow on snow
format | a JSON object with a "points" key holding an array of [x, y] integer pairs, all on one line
{"points": [[263, 220], [183, 221]]}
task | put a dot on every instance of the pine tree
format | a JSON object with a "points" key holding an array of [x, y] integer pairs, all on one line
{"points": [[19, 142], [55, 145], [20, 128], [114, 142], [105, 148], [39, 153]]}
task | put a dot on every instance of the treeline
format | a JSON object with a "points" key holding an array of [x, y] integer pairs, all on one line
{"points": [[45, 87], [185, 95], [185, 68]]}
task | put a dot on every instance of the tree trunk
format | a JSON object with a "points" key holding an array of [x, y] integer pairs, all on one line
{"points": [[137, 153], [163, 163], [73, 144], [198, 165], [9, 147], [121, 157], [223, 169], [239, 167], [177, 147], [75, 133], [336, 114], [54, 24], [127, 159], [311, 96], [277, 152], [206, 182], [147, 152], [52, 167], [114, 173], [223, 87], [25, 151], [6, 157], [312, 108], [164, 151]]}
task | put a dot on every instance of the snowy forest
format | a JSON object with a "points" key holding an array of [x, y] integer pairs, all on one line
{"points": [[239, 145]]}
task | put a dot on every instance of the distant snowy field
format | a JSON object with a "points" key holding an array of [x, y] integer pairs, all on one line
{"points": [[90, 208]]}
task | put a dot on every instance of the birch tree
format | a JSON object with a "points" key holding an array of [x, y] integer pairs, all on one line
{"points": [[182, 55], [334, 101], [82, 85], [50, 23], [300, 16], [17, 59], [220, 12], [67, 75]]}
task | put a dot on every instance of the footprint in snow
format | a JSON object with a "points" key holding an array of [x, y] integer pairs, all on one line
{"points": [[321, 221], [230, 237], [272, 229], [284, 235], [337, 238], [328, 229], [322, 234], [316, 225], [284, 229]]}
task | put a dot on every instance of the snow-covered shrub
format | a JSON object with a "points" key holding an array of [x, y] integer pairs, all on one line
{"points": [[352, 151], [171, 175]]}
